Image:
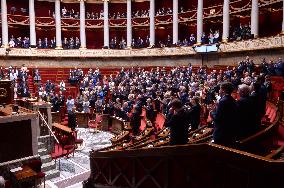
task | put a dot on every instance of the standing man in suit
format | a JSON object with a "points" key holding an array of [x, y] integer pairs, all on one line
{"points": [[135, 120], [195, 111], [178, 120], [246, 126], [257, 104], [72, 123], [225, 116]]}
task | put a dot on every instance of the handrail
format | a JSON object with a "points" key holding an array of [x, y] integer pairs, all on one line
{"points": [[275, 152], [48, 127]]}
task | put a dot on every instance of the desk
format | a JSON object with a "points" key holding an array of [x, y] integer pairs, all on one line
{"points": [[116, 125], [17, 131], [82, 119], [56, 117], [62, 128], [25, 174]]}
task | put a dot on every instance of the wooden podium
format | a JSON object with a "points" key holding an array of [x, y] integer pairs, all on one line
{"points": [[117, 124], [6, 92]]}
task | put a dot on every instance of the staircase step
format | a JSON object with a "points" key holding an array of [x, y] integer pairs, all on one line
{"points": [[48, 166], [46, 158], [42, 151], [43, 138], [41, 145], [52, 174]]}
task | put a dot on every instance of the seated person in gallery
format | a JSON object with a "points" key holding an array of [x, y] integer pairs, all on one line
{"points": [[52, 43], [192, 40], [13, 10], [77, 43], [45, 43], [178, 120], [39, 43], [72, 122]]}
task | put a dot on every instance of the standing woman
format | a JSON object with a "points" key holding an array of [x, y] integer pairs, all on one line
{"points": [[86, 104], [69, 103]]}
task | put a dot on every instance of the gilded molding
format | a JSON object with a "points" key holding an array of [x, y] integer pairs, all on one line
{"points": [[236, 46]]}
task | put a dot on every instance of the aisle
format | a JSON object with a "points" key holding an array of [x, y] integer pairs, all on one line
{"points": [[76, 169]]}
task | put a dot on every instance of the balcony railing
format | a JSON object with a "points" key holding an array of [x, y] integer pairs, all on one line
{"points": [[247, 45]]}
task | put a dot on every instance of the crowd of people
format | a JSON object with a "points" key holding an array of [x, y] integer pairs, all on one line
{"points": [[46, 43], [136, 43], [67, 43], [14, 10], [212, 37], [241, 32], [72, 14], [19, 78], [18, 42], [181, 93]]}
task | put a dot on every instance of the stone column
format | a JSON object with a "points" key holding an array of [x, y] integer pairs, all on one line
{"points": [[199, 21], [82, 25], [106, 24], [282, 32], [129, 24], [5, 37], [175, 21], [254, 18], [226, 21], [32, 23], [152, 22], [58, 25]]}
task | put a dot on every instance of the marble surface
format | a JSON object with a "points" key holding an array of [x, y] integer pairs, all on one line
{"points": [[74, 170]]}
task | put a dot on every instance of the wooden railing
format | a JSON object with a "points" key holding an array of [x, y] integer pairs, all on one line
{"points": [[202, 165], [263, 141]]}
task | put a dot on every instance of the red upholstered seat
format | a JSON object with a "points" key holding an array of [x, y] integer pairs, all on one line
{"points": [[79, 141], [273, 116], [268, 110], [68, 147], [41, 175]]}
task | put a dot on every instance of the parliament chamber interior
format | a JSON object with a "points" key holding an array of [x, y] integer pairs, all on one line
{"points": [[142, 93]]}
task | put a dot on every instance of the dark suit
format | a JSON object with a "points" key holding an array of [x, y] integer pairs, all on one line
{"points": [[257, 105], [225, 118], [135, 122], [178, 124], [150, 113], [195, 116], [72, 123], [246, 125]]}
